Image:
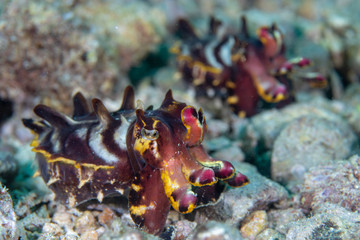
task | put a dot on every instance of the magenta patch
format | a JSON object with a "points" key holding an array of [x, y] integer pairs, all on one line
{"points": [[226, 171]]}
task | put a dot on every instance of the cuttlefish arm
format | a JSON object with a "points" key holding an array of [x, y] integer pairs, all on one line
{"points": [[148, 203], [224, 170]]}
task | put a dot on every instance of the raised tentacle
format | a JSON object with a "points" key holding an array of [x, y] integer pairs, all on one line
{"points": [[53, 117], [185, 29], [243, 27], [171, 106], [214, 25], [101, 112], [168, 99], [128, 102], [81, 107]]}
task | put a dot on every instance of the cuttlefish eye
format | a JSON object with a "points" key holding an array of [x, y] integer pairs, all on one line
{"points": [[194, 121], [152, 134]]}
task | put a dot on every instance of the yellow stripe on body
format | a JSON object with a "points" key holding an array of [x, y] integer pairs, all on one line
{"points": [[198, 64], [49, 159], [141, 209], [136, 188], [35, 141], [48, 156]]}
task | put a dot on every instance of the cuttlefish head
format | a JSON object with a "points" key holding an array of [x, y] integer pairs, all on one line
{"points": [[272, 40], [152, 139], [166, 133]]}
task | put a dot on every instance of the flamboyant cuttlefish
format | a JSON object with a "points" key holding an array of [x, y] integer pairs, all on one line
{"points": [[244, 70], [156, 153]]}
